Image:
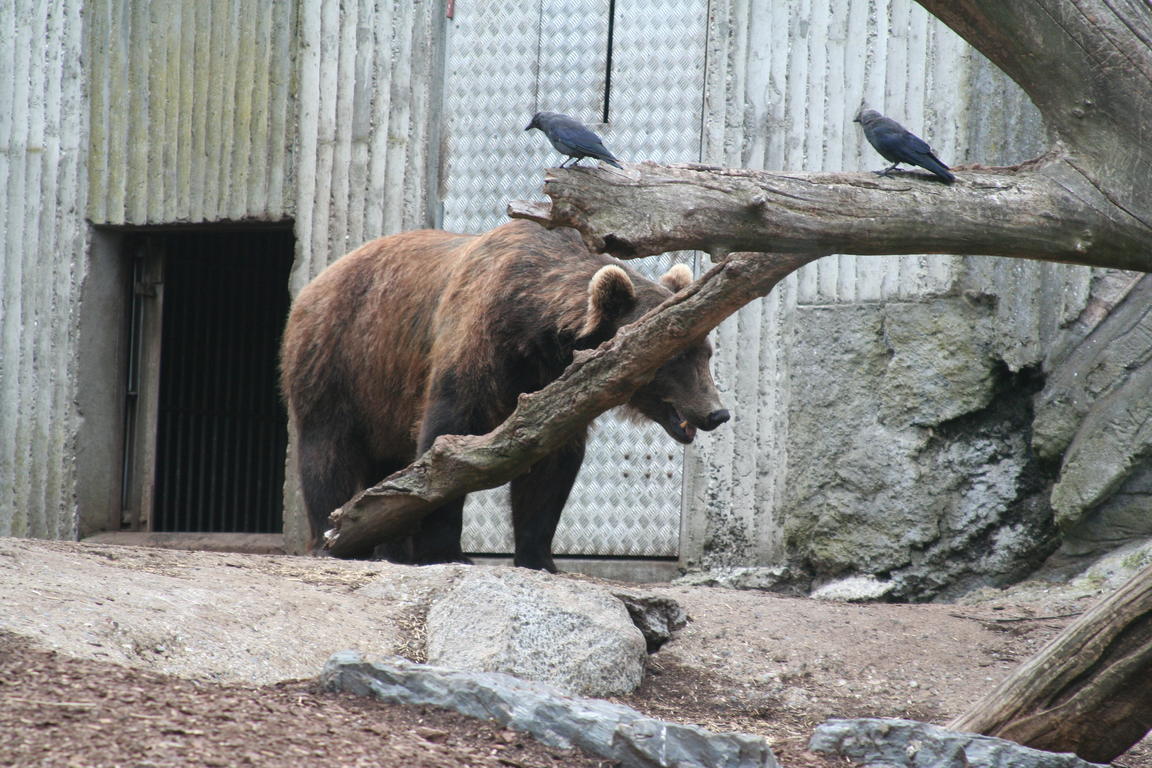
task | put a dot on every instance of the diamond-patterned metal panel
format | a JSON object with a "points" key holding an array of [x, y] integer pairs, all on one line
{"points": [[508, 59]]}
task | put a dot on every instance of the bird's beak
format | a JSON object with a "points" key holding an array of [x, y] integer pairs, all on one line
{"points": [[528, 127]]}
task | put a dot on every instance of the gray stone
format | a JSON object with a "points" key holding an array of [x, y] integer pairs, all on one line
{"points": [[878, 741], [1094, 369], [775, 578], [1094, 414], [602, 728], [569, 633], [1112, 443], [1120, 520], [937, 364], [655, 616], [854, 589]]}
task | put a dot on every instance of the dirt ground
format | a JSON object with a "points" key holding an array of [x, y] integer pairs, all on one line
{"points": [[748, 661]]}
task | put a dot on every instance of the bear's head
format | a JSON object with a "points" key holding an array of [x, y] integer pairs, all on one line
{"points": [[682, 396]]}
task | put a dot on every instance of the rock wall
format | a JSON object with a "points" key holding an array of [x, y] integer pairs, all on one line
{"points": [[1094, 416], [940, 445], [909, 453]]}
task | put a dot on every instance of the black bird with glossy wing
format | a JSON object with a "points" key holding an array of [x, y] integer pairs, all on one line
{"points": [[571, 137], [897, 144]]}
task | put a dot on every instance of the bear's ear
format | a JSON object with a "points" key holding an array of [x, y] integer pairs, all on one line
{"points": [[677, 278], [611, 296]]}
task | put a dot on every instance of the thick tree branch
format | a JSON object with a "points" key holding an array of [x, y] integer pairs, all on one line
{"points": [[544, 420], [1087, 690], [1046, 211]]}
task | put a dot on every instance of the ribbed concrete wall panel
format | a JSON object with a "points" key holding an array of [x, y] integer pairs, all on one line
{"points": [[367, 113], [806, 67], [42, 251], [367, 136], [192, 110]]}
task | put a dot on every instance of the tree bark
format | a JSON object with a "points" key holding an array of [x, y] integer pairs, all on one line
{"points": [[1088, 691], [1030, 213], [544, 420]]}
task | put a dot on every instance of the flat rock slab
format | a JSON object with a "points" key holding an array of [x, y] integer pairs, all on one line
{"points": [[612, 731], [262, 620], [888, 742], [257, 619]]}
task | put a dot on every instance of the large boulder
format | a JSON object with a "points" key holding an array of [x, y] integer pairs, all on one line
{"points": [[569, 633]]}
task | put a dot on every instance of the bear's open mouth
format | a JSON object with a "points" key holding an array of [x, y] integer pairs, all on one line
{"points": [[678, 426]]}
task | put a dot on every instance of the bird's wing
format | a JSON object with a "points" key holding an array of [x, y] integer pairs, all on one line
{"points": [[898, 143], [582, 139]]}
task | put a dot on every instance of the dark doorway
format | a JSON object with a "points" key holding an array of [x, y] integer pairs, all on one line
{"points": [[206, 429]]}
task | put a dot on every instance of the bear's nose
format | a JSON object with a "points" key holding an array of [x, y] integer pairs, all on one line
{"points": [[715, 419]]}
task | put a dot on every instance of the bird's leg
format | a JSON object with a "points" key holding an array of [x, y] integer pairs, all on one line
{"points": [[887, 170], [565, 163]]}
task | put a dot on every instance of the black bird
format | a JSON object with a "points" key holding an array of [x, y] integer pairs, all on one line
{"points": [[899, 145], [572, 138]]}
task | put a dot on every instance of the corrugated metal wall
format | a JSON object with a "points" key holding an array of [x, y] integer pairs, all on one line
{"points": [[43, 134]]}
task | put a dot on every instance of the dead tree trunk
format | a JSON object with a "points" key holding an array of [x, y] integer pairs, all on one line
{"points": [[1088, 691], [1024, 212]]}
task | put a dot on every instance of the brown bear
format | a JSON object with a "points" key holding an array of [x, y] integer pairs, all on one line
{"points": [[428, 333]]}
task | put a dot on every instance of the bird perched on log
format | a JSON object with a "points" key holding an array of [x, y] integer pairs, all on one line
{"points": [[899, 145], [571, 137]]}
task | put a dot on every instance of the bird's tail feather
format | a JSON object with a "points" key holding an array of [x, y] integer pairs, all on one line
{"points": [[932, 163]]}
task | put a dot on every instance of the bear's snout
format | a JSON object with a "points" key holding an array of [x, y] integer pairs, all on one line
{"points": [[715, 419]]}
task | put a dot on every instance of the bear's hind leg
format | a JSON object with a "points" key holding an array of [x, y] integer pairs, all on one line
{"points": [[333, 468], [538, 499], [327, 481]]}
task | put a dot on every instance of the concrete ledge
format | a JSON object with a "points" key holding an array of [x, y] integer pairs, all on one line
{"points": [[634, 571], [248, 543]]}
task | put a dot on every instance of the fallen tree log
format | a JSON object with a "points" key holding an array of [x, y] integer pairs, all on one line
{"points": [[1088, 691]]}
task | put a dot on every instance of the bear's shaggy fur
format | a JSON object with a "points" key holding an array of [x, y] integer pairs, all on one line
{"points": [[428, 333]]}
